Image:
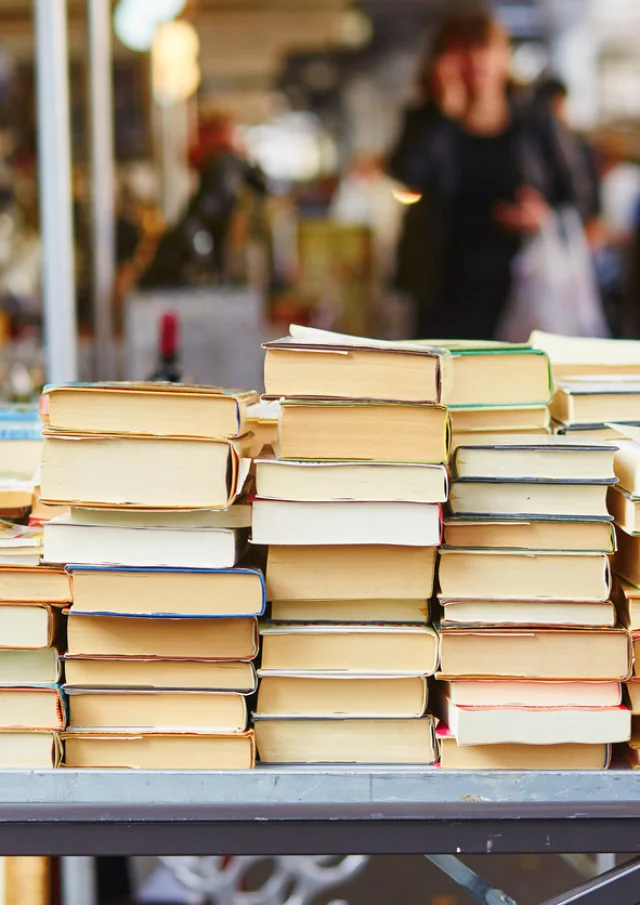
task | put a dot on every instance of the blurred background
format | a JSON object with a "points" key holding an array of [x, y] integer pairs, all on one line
{"points": [[264, 165]]}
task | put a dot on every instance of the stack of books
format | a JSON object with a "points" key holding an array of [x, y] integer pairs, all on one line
{"points": [[163, 626], [32, 634], [497, 388], [529, 649], [350, 508]]}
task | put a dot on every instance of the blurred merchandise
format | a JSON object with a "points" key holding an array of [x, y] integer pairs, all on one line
{"points": [[168, 368]]}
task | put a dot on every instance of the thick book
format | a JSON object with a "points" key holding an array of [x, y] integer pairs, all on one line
{"points": [[201, 675], [367, 431], [278, 479], [586, 537], [496, 613], [156, 711], [626, 559], [625, 509], [30, 627], [522, 575], [168, 409], [346, 741], [317, 364], [30, 750], [500, 419], [578, 355], [409, 650], [494, 373], [558, 758], [35, 585], [596, 401], [545, 501], [182, 593], [633, 692], [514, 693], [627, 460], [162, 639], [626, 598], [235, 517], [573, 654], [32, 708], [286, 523], [538, 458], [186, 548], [138, 472], [170, 751], [371, 610], [537, 725], [41, 666], [319, 695], [350, 573]]}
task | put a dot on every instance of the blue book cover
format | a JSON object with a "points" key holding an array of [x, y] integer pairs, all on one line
{"points": [[14, 430], [21, 413], [161, 570]]}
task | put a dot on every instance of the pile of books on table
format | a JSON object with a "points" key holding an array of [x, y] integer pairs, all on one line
{"points": [[162, 630], [350, 508], [530, 654]]}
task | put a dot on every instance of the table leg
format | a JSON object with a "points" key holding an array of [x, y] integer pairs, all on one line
{"points": [[79, 885]]}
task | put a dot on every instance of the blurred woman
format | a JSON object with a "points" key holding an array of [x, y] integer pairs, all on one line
{"points": [[488, 171]]}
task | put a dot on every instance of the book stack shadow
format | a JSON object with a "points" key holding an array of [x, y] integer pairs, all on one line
{"points": [[350, 508], [532, 655], [162, 630]]}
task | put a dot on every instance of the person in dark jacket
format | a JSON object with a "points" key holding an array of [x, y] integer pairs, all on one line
{"points": [[488, 170]]}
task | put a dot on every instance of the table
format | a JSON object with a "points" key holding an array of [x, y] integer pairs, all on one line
{"points": [[316, 811]]}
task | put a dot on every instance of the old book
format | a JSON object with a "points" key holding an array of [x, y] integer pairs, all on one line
{"points": [[357, 648], [31, 750], [485, 499], [34, 585], [499, 419], [40, 666], [514, 693], [156, 711], [594, 432], [142, 472], [595, 401], [167, 592], [321, 695], [20, 545], [537, 725], [588, 537], [317, 364], [186, 548], [522, 757], [350, 573], [572, 654], [30, 627], [627, 461], [528, 612], [82, 672], [635, 642], [235, 517], [504, 457], [633, 691], [346, 741], [572, 355], [626, 559], [169, 409], [379, 432], [286, 523], [625, 509], [520, 575], [350, 611], [175, 751], [278, 479], [626, 598], [164, 639], [32, 708], [497, 374]]}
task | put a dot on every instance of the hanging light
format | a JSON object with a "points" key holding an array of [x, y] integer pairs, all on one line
{"points": [[355, 29], [175, 69]]}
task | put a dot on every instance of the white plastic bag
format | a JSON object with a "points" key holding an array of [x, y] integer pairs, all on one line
{"points": [[554, 284]]}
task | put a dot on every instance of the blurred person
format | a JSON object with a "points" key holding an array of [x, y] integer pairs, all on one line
{"points": [[488, 169], [197, 245]]}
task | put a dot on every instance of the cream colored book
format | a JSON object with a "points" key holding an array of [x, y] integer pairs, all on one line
{"points": [[278, 479], [499, 419], [625, 509], [350, 573], [29, 750], [596, 401], [497, 613], [514, 693], [574, 356], [558, 758], [350, 611], [591, 537], [101, 672], [486, 499], [520, 575], [346, 741]]}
